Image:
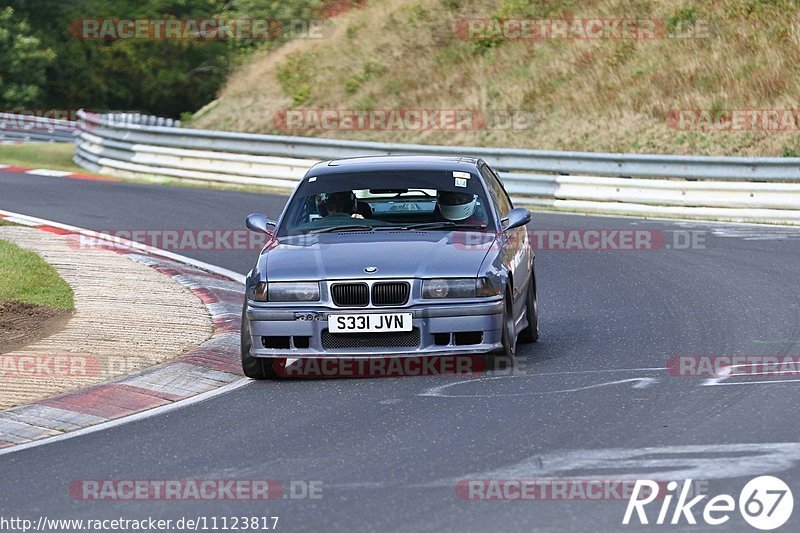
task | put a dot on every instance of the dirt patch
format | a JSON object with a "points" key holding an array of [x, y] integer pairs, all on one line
{"points": [[23, 323]]}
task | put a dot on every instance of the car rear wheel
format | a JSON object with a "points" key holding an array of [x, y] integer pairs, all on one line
{"points": [[531, 332], [254, 367]]}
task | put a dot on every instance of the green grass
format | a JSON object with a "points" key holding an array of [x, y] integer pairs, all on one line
{"points": [[55, 156], [4, 222], [25, 277]]}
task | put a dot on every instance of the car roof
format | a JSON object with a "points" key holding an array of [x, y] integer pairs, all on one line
{"points": [[395, 162]]}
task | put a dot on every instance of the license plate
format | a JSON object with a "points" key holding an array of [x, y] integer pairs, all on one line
{"points": [[372, 323]]}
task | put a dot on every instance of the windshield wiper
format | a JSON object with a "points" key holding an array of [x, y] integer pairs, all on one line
{"points": [[348, 227], [434, 225]]}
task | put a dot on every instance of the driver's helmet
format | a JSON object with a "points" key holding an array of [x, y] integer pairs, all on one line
{"points": [[456, 206], [340, 202]]}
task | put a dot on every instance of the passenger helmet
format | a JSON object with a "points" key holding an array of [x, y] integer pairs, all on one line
{"points": [[456, 206]]}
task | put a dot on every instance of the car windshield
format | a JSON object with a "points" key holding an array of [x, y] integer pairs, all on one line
{"points": [[388, 200]]}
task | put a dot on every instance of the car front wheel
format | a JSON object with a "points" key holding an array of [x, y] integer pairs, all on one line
{"points": [[504, 357], [254, 367]]}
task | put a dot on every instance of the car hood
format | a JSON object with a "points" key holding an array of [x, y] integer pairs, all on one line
{"points": [[396, 254]]}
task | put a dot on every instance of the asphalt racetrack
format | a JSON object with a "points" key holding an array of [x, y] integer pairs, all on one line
{"points": [[592, 400]]}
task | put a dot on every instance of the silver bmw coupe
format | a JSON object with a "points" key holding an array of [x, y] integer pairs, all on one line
{"points": [[391, 256]]}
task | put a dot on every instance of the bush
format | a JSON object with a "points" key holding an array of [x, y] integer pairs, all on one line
{"points": [[295, 77]]}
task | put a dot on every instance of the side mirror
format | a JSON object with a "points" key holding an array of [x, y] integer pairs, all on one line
{"points": [[259, 223], [516, 218]]}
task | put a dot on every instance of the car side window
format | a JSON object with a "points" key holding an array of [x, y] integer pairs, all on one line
{"points": [[496, 189]]}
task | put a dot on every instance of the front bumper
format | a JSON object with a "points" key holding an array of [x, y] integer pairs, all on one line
{"points": [[436, 325]]}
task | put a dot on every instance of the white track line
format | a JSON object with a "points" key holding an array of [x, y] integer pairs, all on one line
{"points": [[230, 274], [48, 172]]}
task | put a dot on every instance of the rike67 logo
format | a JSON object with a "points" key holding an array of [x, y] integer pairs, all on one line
{"points": [[765, 503]]}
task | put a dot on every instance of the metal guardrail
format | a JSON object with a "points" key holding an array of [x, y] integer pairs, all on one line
{"points": [[26, 128], [726, 188], [131, 118], [30, 127]]}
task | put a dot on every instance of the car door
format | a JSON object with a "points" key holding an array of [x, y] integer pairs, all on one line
{"points": [[515, 243]]}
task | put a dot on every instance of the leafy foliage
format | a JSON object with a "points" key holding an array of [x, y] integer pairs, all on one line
{"points": [[23, 63], [296, 76], [43, 65]]}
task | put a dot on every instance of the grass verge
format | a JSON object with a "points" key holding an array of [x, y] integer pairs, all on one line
{"points": [[569, 93], [26, 277], [55, 156]]}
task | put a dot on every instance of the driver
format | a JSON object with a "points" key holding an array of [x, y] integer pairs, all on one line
{"points": [[337, 205]]}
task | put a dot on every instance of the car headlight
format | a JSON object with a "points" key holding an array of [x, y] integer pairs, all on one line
{"points": [[458, 288], [287, 292]]}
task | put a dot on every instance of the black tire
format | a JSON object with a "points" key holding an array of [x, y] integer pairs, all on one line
{"points": [[254, 367], [531, 332], [504, 357]]}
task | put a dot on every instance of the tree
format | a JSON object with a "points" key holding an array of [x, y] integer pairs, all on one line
{"points": [[23, 63], [162, 77]]}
